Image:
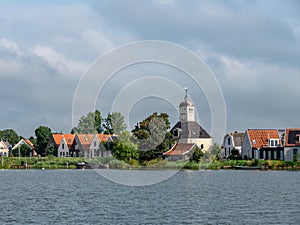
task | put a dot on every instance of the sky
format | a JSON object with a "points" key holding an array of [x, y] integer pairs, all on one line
{"points": [[252, 48]]}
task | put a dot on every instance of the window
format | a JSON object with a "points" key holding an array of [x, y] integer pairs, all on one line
{"points": [[63, 146], [273, 142], [175, 133], [95, 143], [190, 109], [228, 140], [60, 153]]}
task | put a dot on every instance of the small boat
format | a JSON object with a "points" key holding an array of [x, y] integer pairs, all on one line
{"points": [[246, 167], [83, 165]]}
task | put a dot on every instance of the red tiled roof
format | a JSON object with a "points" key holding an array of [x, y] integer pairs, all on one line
{"points": [[260, 137], [28, 142], [85, 140], [290, 137], [103, 137], [180, 149], [68, 137]]}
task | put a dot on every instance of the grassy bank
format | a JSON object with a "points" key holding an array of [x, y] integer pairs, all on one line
{"points": [[70, 163]]}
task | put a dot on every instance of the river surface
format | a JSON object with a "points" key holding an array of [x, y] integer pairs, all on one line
{"points": [[188, 197]]}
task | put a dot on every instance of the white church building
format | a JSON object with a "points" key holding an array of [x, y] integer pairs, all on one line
{"points": [[187, 130]]}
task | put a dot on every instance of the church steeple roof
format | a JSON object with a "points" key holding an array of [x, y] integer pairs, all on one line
{"points": [[187, 101]]}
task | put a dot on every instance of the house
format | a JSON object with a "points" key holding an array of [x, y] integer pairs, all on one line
{"points": [[262, 144], [4, 148], [102, 138], [180, 151], [90, 145], [187, 130], [87, 144], [29, 144], [292, 144], [232, 141], [63, 143]]}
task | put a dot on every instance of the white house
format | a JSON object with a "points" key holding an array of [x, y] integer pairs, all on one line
{"points": [[232, 141], [292, 144], [90, 145], [63, 144], [262, 144], [29, 144], [4, 148]]}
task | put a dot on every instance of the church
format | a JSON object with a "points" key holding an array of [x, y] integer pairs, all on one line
{"points": [[187, 132]]}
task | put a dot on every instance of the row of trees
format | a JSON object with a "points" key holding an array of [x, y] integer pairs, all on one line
{"points": [[93, 123]]}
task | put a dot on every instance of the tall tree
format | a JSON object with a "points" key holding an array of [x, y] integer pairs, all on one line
{"points": [[114, 123], [89, 124], [152, 136], [10, 135], [42, 134]]}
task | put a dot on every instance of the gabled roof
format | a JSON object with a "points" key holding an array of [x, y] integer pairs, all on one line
{"points": [[190, 129], [292, 137], [4, 145], [69, 138], [29, 143], [180, 149], [260, 137], [103, 137], [85, 140], [26, 142], [238, 138]]}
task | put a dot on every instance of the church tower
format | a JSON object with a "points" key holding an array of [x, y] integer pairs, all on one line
{"points": [[187, 130], [186, 109]]}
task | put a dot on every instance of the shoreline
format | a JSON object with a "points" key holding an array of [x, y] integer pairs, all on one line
{"points": [[49, 163]]}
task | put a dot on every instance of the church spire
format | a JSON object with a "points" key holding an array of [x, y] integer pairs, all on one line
{"points": [[186, 95], [186, 109]]}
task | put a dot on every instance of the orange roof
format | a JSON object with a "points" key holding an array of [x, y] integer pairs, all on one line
{"points": [[68, 137], [29, 143], [85, 139], [292, 137], [180, 149], [103, 137], [260, 137]]}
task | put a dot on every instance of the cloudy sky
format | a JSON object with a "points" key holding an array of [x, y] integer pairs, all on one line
{"points": [[252, 47]]}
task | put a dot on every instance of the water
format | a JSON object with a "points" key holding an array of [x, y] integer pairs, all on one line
{"points": [[189, 197]]}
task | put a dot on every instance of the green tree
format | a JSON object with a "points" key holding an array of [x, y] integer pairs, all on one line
{"points": [[10, 135], [114, 123], [42, 134], [152, 136], [197, 155], [89, 124], [52, 150], [24, 151], [125, 149]]}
